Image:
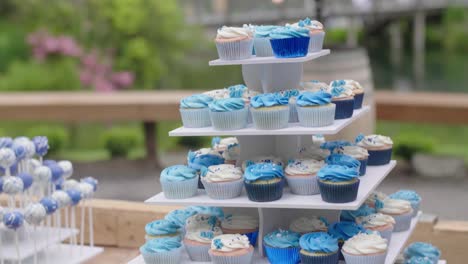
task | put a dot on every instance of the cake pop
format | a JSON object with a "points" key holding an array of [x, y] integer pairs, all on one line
{"points": [[92, 182], [42, 145], [12, 186], [7, 159], [27, 180], [34, 214], [49, 204], [6, 142], [41, 176], [67, 168], [75, 197], [70, 184], [14, 220]]}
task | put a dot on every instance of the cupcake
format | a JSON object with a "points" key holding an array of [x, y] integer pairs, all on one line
{"points": [[315, 109], [198, 242], [314, 86], [343, 98], [241, 224], [343, 160], [319, 248], [203, 158], [195, 112], [359, 153], [228, 114], [179, 182], [163, 250], [375, 196], [223, 181], [410, 196], [332, 145], [241, 91], [343, 231], [338, 184], [161, 228], [379, 148], [263, 159], [351, 215], [270, 111], [303, 225], [228, 147], [418, 260], [289, 42], [231, 249], [316, 32], [234, 43], [356, 87], [422, 250], [261, 40], [264, 182], [291, 95], [365, 248], [203, 221], [179, 217], [282, 246], [209, 210], [400, 210], [301, 175], [378, 222], [218, 93]]}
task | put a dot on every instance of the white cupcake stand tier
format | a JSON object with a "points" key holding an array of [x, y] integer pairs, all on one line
{"points": [[271, 74]]}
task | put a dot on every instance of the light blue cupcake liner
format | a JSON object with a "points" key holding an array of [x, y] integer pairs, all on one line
{"points": [[230, 120], [415, 208], [303, 185], [243, 259], [282, 255], [387, 234], [195, 118], [364, 259], [316, 116], [198, 252], [263, 47], [235, 50], [402, 222], [170, 257], [293, 113], [270, 119], [181, 189], [316, 42], [223, 190]]}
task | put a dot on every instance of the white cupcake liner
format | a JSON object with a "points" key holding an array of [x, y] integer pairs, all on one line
{"points": [[170, 257], [364, 259], [402, 222], [270, 119], [316, 42], [293, 113], [230, 120], [263, 47], [223, 190], [195, 118], [303, 185], [316, 116], [198, 252], [243, 259], [180, 190], [235, 50]]}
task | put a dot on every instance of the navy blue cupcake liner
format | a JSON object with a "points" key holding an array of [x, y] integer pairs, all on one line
{"points": [[344, 108], [358, 99], [290, 47], [340, 246], [379, 157], [363, 167], [264, 192], [322, 259], [282, 255], [338, 193], [200, 184]]}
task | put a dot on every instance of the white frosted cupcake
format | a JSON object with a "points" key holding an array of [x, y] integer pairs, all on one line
{"points": [[198, 242], [223, 181], [365, 249], [202, 221], [375, 196], [231, 249], [400, 210], [228, 147], [234, 43], [303, 225], [301, 175], [358, 153], [379, 148], [241, 224], [378, 222]]}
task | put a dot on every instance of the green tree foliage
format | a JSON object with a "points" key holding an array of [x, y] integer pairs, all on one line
{"points": [[57, 135], [408, 144], [120, 140]]}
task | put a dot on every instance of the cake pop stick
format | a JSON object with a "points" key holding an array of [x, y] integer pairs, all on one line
{"points": [[2, 211], [41, 176], [20, 153], [87, 191], [34, 214], [51, 206], [14, 220], [63, 200], [75, 196], [27, 180], [94, 183]]}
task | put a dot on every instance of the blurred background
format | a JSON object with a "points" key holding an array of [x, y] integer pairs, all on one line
{"points": [[413, 50]]}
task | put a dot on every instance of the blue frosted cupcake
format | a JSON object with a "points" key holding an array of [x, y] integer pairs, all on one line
{"points": [[343, 98], [319, 248], [161, 229], [338, 184], [270, 111], [224, 181], [292, 96], [202, 159], [343, 160], [179, 217], [264, 159], [246, 94], [357, 89], [195, 112], [179, 182], [332, 145], [315, 109], [228, 147], [351, 215], [264, 182], [164, 250], [422, 250], [379, 148], [301, 175], [359, 153], [228, 114], [343, 231], [290, 42], [282, 247], [316, 32], [231, 249], [234, 43], [410, 196], [261, 40]]}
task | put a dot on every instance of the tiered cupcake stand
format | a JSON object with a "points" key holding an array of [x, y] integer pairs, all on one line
{"points": [[269, 74]]}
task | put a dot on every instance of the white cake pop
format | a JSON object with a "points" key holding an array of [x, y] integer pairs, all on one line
{"points": [[7, 158], [12, 185], [67, 168], [35, 213], [86, 189], [42, 174], [62, 198], [70, 184], [28, 145]]}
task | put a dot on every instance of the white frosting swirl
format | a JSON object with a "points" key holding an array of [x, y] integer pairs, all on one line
{"points": [[12, 185], [364, 244], [224, 143], [62, 198], [230, 242], [353, 151], [303, 167], [223, 173], [42, 174], [314, 86], [234, 32], [375, 220], [308, 224], [354, 85], [395, 207], [240, 222], [86, 189], [35, 213], [67, 168], [375, 141], [218, 93], [203, 235], [314, 152], [201, 221]]}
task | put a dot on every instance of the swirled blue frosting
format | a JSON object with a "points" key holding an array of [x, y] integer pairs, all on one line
{"points": [[332, 145], [42, 145], [408, 195], [161, 245], [289, 93], [264, 31], [263, 171], [236, 91], [178, 173], [13, 220], [282, 239], [227, 105], [364, 210], [337, 90], [419, 260], [344, 160], [289, 32], [196, 101], [337, 173], [198, 161], [179, 216], [337, 83], [319, 242], [345, 230], [161, 227], [209, 210], [268, 100], [313, 98], [421, 249]]}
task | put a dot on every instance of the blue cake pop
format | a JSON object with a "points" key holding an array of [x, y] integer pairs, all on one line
{"points": [[20, 150], [56, 170], [13, 220], [42, 145], [91, 181], [27, 179], [49, 204], [6, 142], [75, 196]]}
